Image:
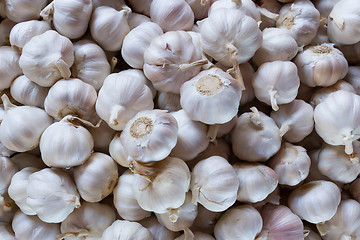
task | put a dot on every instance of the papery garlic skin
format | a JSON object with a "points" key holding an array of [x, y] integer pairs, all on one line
{"points": [[244, 7], [321, 65], [272, 6], [23, 10], [10, 69], [7, 170], [5, 28], [102, 136], [32, 228], [141, 6], [117, 151], [52, 194], [214, 184], [325, 6], [315, 201], [353, 77], [117, 4], [124, 230], [158, 231], [25, 159], [242, 222], [46, 58], [136, 19], [6, 232], [200, 8], [169, 101]]}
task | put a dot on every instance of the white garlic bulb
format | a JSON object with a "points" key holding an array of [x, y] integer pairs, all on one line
{"points": [[295, 120], [135, 19], [52, 194], [277, 45], [141, 6], [46, 58], [102, 136], [242, 223], [117, 4], [321, 65], [124, 230], [205, 220], [108, 26], [353, 77], [96, 178], [22, 126], [168, 101], [257, 181], [66, 143], [325, 6], [276, 83], [90, 65], [25, 159], [172, 15], [7, 171], [255, 137], [158, 231], [123, 95], [200, 8], [149, 136], [244, 7], [315, 201], [137, 41], [23, 10], [10, 69], [6, 232], [125, 201], [343, 22], [117, 151], [32, 228], [301, 18], [214, 184], [87, 222], [5, 28]]}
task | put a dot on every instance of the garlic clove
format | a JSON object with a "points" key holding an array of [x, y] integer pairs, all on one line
{"points": [[246, 7], [117, 151]]}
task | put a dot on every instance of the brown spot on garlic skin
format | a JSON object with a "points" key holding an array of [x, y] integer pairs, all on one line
{"points": [[208, 85], [141, 127], [322, 49]]}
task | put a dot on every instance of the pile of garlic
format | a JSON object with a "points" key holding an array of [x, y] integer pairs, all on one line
{"points": [[181, 119]]}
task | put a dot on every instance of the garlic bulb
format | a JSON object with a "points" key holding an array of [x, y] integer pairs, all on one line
{"points": [[257, 181], [315, 201], [301, 18], [125, 201], [137, 41], [171, 59], [90, 65], [321, 65], [102, 136], [163, 187], [141, 6], [325, 6], [22, 126], [46, 58], [87, 222], [9, 70], [172, 15], [343, 22], [291, 164], [205, 220], [123, 95], [276, 83], [124, 230], [96, 178], [23, 10], [272, 6], [242, 223], [353, 77], [149, 136], [7, 170], [295, 120], [197, 236], [135, 19], [158, 231], [214, 184], [117, 151], [66, 143], [255, 137], [17, 189], [5, 28], [200, 8], [6, 232], [52, 194], [277, 45], [280, 223], [32, 228], [244, 7], [24, 160], [168, 101], [337, 119], [345, 223], [117, 4]]}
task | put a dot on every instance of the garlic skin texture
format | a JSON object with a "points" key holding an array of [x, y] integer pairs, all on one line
{"points": [[353, 77], [141, 6], [96, 178], [23, 10], [137, 41], [6, 232], [200, 8], [337, 119], [315, 201], [205, 220], [171, 59], [117, 151], [22, 126], [87, 222], [46, 58], [255, 137], [52, 194], [343, 22], [123, 95], [242, 223], [124, 230], [301, 18], [32, 228], [5, 28], [165, 188], [325, 6], [214, 184], [172, 15], [71, 144], [24, 160], [168, 101], [136, 19], [277, 45], [25, 91], [321, 65], [149, 136], [7, 169], [102, 24], [91, 64], [244, 7], [125, 201], [10, 69], [291, 164], [102, 136], [257, 181], [276, 83], [158, 231]]}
